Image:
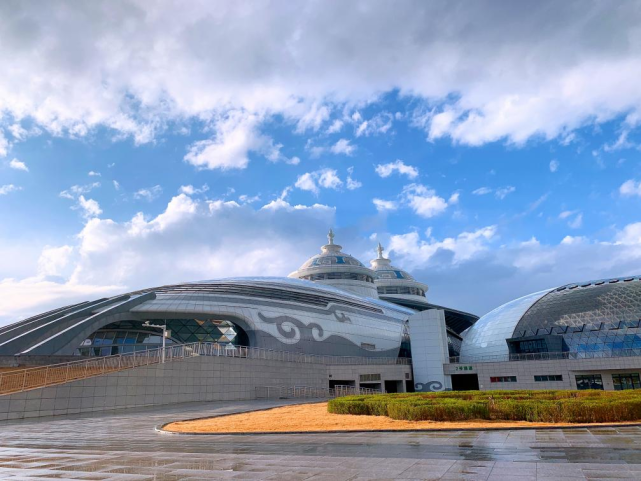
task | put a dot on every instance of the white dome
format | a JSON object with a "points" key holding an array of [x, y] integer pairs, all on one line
{"points": [[394, 283], [332, 266]]}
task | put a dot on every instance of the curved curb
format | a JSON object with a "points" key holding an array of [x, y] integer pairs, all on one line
{"points": [[161, 428]]}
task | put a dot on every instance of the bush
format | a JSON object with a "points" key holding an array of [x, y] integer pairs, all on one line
{"points": [[533, 406]]}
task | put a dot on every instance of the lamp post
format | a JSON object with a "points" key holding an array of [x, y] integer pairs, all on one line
{"points": [[164, 336]]}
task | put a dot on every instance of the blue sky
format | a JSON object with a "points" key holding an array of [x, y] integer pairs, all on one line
{"points": [[141, 147]]}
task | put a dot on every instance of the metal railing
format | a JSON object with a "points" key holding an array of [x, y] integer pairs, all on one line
{"points": [[547, 356], [283, 392], [37, 377]]}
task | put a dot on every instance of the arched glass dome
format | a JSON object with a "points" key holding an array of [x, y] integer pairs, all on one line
{"points": [[590, 319], [487, 336]]}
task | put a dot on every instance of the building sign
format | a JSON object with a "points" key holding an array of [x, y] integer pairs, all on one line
{"points": [[464, 368]]}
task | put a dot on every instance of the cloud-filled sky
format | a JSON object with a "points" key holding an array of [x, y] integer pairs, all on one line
{"points": [[494, 148]]}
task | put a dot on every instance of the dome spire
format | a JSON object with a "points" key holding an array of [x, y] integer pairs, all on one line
{"points": [[380, 250], [330, 237]]}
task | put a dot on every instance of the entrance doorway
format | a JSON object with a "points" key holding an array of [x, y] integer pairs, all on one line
{"points": [[393, 386], [465, 382]]}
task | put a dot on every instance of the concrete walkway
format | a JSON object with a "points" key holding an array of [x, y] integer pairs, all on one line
{"points": [[124, 446]]}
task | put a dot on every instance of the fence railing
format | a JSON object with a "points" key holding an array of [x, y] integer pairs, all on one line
{"points": [[547, 356], [284, 392], [36, 377]]}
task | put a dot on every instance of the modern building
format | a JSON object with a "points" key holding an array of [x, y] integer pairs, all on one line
{"points": [[340, 322], [577, 336]]}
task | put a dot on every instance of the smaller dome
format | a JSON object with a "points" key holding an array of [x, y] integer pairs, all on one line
{"points": [[394, 283]]}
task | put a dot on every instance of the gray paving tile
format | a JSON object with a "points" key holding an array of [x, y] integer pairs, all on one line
{"points": [[123, 446]]}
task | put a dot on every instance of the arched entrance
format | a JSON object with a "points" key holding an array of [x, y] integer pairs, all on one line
{"points": [[132, 336]]}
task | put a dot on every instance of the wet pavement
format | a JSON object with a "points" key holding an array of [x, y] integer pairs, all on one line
{"points": [[124, 446]]}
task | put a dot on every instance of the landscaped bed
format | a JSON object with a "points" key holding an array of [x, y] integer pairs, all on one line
{"points": [[454, 411], [532, 406]]}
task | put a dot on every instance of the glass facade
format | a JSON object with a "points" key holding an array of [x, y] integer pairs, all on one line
{"points": [[413, 291], [589, 381], [453, 345], [623, 382], [338, 275], [578, 305], [487, 336], [503, 379], [548, 378], [129, 336], [592, 319]]}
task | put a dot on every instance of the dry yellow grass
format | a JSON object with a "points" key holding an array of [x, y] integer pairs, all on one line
{"points": [[314, 417]]}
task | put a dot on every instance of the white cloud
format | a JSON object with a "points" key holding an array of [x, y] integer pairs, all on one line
{"points": [[20, 133], [307, 181], [630, 235], [4, 144], [482, 191], [329, 179], [379, 124], [116, 185], [574, 218], [630, 188], [134, 252], [573, 240], [88, 207], [8, 188], [313, 118], [500, 193], [351, 183], [54, 260], [492, 273], [577, 222], [313, 181], [503, 192], [343, 146], [385, 205], [74, 72], [385, 170], [149, 194], [336, 127], [94, 174], [454, 198], [191, 190], [25, 297], [75, 190], [236, 135], [415, 251], [246, 199], [554, 165], [424, 201], [18, 165]]}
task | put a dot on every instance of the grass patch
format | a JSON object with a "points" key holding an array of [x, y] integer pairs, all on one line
{"points": [[533, 406]]}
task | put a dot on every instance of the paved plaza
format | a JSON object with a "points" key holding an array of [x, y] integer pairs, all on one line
{"points": [[125, 446]]}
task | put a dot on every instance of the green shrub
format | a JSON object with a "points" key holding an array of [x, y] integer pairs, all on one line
{"points": [[533, 406]]}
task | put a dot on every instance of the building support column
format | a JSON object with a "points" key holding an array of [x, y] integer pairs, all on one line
{"points": [[428, 338]]}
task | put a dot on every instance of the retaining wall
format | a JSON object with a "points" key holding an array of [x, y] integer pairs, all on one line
{"points": [[203, 378]]}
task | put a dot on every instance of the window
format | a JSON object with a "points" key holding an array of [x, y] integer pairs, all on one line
{"points": [[623, 382], [369, 377], [536, 345], [589, 381], [548, 378], [369, 347], [503, 379]]}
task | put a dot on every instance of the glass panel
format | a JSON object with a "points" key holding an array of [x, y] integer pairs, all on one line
{"points": [[589, 381]]}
